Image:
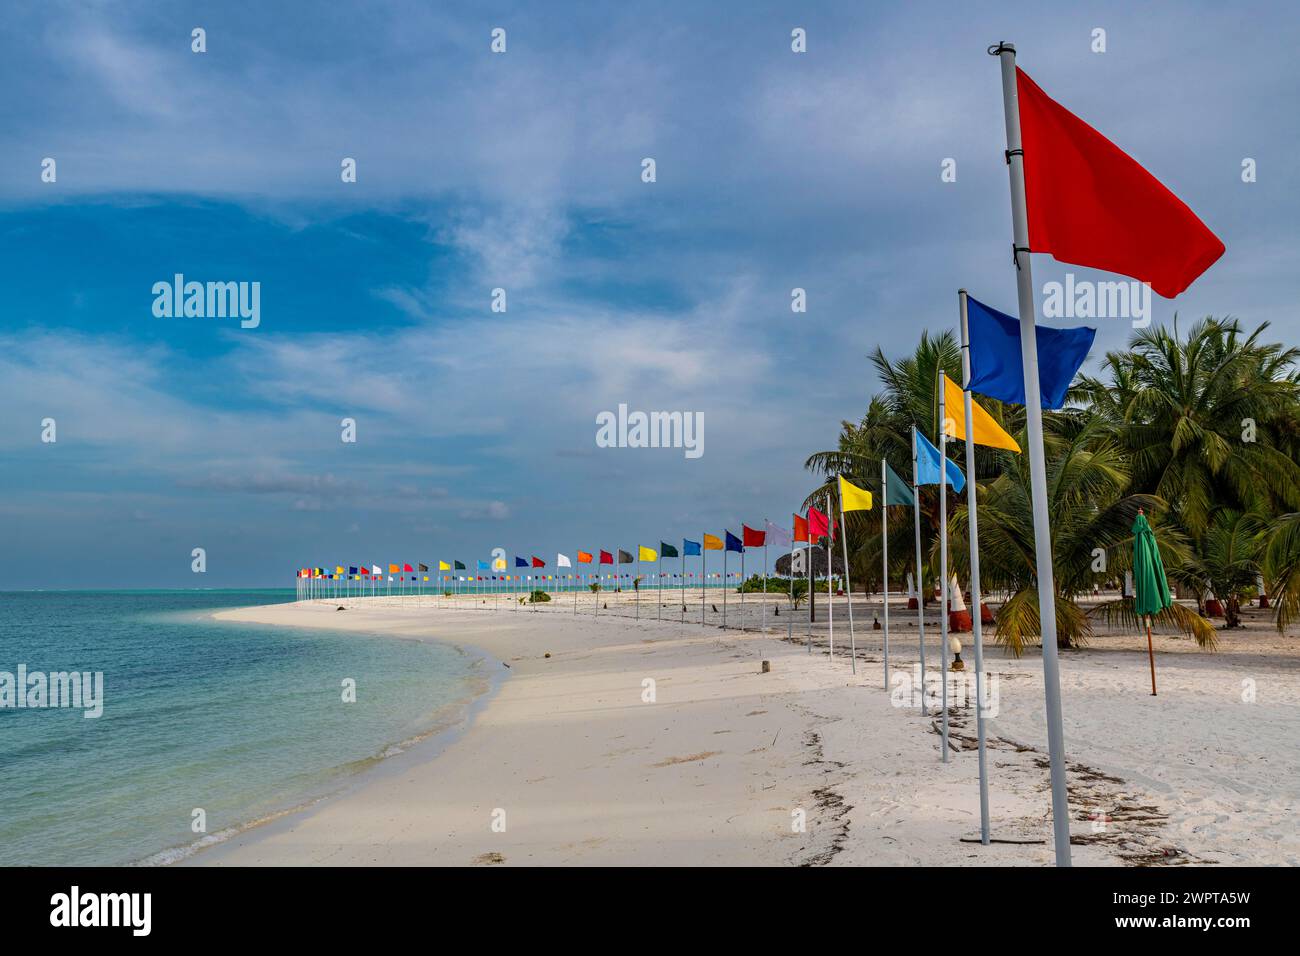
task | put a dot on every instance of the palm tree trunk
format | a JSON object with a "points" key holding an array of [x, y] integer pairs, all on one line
{"points": [[1232, 612]]}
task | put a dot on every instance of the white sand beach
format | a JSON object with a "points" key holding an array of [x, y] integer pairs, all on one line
{"points": [[716, 769]]}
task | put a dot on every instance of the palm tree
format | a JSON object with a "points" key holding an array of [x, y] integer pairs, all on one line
{"points": [[1092, 517], [1207, 422], [1281, 568], [1229, 559]]}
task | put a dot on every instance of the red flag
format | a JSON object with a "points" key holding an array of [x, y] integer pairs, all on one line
{"points": [[1091, 204], [606, 558], [752, 538], [819, 525], [538, 563], [407, 567], [800, 528]]}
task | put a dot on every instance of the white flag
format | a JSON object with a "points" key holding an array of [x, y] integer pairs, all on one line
{"points": [[376, 570], [797, 563], [781, 537], [562, 561]]}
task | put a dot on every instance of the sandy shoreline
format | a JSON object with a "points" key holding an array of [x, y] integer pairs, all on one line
{"points": [[719, 767]]}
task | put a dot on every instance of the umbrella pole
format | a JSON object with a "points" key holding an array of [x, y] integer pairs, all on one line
{"points": [[1152, 657]]}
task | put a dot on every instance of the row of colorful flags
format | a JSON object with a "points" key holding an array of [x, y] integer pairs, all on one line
{"points": [[323, 574]]}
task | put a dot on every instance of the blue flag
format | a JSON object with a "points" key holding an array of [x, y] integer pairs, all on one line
{"points": [[995, 368], [520, 562], [484, 566], [690, 547], [927, 466], [733, 543]]}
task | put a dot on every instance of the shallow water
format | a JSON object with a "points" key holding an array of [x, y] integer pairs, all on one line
{"points": [[239, 721]]}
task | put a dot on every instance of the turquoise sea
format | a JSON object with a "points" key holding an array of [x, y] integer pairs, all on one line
{"points": [[238, 720]]}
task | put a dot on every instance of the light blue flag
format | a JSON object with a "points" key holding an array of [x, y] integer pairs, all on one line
{"points": [[927, 466]]}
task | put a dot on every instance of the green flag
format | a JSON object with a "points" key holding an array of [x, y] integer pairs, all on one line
{"points": [[1151, 590], [459, 565], [667, 550], [898, 491]]}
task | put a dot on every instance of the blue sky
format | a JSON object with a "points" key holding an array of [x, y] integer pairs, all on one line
{"points": [[522, 171]]}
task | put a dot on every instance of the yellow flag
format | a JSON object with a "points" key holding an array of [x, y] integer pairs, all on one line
{"points": [[444, 566], [647, 554], [338, 569], [853, 498], [712, 543], [986, 430]]}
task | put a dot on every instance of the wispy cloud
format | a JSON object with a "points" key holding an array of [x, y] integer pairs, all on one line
{"points": [[522, 171]]}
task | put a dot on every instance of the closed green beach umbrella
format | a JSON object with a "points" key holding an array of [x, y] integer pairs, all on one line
{"points": [[1150, 589]]}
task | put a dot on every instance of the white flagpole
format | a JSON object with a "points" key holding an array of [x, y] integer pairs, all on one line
{"points": [[743, 549], [789, 621], [920, 598], [704, 576], [884, 559], [974, 536], [659, 584], [830, 574], [943, 554], [1006, 52], [762, 609], [808, 553], [848, 583]]}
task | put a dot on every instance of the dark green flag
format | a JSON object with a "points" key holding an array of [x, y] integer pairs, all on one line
{"points": [[898, 491], [459, 566], [624, 557], [666, 550]]}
